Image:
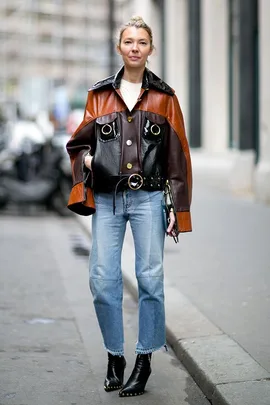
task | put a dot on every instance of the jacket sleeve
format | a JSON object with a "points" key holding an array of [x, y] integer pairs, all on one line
{"points": [[179, 170], [81, 200]]}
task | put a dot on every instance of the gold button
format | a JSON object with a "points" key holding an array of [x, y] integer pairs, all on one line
{"points": [[130, 119], [129, 166], [129, 142]]}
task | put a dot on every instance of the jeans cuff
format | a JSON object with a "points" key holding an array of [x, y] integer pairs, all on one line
{"points": [[115, 352], [153, 349]]}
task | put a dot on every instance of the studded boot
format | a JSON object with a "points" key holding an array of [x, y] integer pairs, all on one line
{"points": [[115, 373], [139, 376]]}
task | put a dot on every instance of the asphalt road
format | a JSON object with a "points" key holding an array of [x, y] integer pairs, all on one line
{"points": [[50, 345]]}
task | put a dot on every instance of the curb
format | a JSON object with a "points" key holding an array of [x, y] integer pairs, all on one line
{"points": [[224, 371]]}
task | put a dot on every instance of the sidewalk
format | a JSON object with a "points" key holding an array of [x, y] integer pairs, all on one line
{"points": [[217, 297], [51, 348], [43, 359]]}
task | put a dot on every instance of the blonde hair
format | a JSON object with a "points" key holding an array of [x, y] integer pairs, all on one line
{"points": [[137, 22]]}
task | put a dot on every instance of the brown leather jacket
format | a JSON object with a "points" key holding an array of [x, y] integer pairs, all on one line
{"points": [[149, 140]]}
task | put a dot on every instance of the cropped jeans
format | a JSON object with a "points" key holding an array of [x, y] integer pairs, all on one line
{"points": [[143, 210]]}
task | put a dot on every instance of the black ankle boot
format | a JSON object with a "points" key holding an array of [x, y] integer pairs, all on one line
{"points": [[139, 376], [115, 372]]}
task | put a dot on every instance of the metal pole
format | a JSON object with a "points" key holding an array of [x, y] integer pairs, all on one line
{"points": [[162, 11], [194, 73], [111, 37], [249, 75]]}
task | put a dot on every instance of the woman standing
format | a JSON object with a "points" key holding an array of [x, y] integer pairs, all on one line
{"points": [[130, 143]]}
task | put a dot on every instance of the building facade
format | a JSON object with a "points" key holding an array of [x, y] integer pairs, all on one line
{"points": [[216, 55], [51, 43]]}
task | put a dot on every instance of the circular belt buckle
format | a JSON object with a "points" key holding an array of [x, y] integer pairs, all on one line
{"points": [[135, 181]]}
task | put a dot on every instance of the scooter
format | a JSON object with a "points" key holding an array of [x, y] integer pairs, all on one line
{"points": [[49, 187]]}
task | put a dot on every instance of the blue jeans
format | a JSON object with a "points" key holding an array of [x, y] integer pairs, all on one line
{"points": [[143, 210]]}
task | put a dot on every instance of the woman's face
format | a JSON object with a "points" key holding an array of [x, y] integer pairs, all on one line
{"points": [[135, 47]]}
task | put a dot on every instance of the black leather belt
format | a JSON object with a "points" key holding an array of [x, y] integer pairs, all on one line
{"points": [[135, 182], [123, 182]]}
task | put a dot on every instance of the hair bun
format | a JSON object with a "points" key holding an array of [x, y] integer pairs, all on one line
{"points": [[137, 18]]}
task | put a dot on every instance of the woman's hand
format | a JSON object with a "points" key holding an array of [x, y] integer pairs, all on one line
{"points": [[88, 161], [171, 224]]}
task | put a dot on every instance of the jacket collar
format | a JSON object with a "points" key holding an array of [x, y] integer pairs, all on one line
{"points": [[150, 80]]}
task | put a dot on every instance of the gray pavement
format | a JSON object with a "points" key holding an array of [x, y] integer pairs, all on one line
{"points": [[50, 345], [224, 268], [217, 296]]}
